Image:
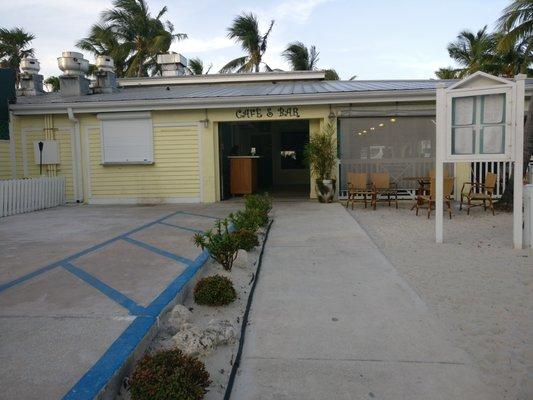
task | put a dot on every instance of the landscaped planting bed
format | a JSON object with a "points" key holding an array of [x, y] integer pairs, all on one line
{"points": [[198, 340]]}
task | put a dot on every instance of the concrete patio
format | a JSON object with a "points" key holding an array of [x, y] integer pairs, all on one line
{"points": [[79, 285]]}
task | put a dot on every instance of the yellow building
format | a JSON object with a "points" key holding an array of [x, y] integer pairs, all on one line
{"points": [[167, 139]]}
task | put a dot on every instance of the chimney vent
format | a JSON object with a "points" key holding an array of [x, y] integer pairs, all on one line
{"points": [[172, 64], [106, 80], [30, 82], [74, 67]]}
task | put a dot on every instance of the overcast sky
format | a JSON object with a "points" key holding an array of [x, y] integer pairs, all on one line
{"points": [[380, 39]]}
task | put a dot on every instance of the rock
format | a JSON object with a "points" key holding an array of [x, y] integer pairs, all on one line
{"points": [[221, 331], [192, 341], [178, 316], [242, 259], [197, 342]]}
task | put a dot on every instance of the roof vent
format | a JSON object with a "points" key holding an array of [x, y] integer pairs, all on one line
{"points": [[73, 63], [30, 66], [105, 63], [74, 67], [30, 82], [172, 64], [106, 80]]}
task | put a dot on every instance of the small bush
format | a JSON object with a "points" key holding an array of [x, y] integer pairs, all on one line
{"points": [[214, 290], [169, 374], [222, 245], [260, 202], [246, 239], [250, 220]]}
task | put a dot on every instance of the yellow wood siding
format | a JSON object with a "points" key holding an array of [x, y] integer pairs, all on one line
{"points": [[175, 173], [5, 160]]}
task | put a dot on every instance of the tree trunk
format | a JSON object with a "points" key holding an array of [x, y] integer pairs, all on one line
{"points": [[506, 201]]}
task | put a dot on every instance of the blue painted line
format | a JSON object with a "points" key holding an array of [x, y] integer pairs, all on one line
{"points": [[199, 215], [159, 251], [113, 294], [181, 227], [26, 277], [81, 253], [103, 370], [176, 285], [88, 387]]}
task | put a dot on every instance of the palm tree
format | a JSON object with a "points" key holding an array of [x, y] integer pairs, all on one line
{"points": [[300, 57], [474, 52], [447, 73], [102, 41], [245, 30], [130, 24], [14, 47], [196, 67], [53, 83], [331, 75], [516, 24]]}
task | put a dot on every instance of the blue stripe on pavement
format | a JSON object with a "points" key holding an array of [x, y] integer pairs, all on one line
{"points": [[159, 251], [113, 294], [181, 227]]}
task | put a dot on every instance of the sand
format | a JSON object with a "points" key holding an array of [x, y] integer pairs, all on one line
{"points": [[475, 283]]}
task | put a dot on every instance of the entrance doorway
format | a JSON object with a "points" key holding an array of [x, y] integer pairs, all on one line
{"points": [[281, 169]]}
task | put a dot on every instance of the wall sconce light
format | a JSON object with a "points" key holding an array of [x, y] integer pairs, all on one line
{"points": [[393, 120]]}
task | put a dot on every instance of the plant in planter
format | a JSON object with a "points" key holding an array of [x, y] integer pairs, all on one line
{"points": [[214, 290], [320, 153], [246, 238], [221, 244], [251, 219], [169, 374], [259, 202]]}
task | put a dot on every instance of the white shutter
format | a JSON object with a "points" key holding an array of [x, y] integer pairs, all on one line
{"points": [[127, 138]]}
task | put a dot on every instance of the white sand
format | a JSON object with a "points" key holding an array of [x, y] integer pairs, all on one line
{"points": [[475, 283]]}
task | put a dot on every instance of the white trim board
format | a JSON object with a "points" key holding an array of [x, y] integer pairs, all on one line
{"points": [[143, 200]]}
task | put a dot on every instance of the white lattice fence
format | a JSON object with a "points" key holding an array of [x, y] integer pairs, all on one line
{"points": [[502, 169], [25, 195]]}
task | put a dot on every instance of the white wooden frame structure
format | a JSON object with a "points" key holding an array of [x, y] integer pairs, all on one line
{"points": [[479, 84]]}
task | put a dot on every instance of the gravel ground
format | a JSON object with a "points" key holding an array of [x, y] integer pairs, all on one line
{"points": [[475, 283]]}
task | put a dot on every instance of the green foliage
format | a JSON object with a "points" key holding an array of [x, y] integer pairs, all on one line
{"points": [[222, 245], [250, 220], [245, 31], [132, 36], [260, 202], [331, 75], [168, 375], [247, 239], [53, 81], [321, 152], [14, 46], [300, 57], [214, 290]]}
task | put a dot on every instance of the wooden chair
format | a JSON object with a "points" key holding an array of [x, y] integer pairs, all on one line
{"points": [[382, 186], [358, 186], [479, 192], [447, 193]]}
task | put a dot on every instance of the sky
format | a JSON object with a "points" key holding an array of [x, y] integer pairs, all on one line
{"points": [[380, 39]]}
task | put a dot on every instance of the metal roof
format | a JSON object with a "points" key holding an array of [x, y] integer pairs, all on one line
{"points": [[228, 94]]}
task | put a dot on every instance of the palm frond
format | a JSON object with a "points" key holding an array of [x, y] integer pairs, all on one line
{"points": [[233, 65]]}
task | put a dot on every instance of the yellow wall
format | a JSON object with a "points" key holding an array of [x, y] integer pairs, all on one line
{"points": [[185, 168], [5, 160]]}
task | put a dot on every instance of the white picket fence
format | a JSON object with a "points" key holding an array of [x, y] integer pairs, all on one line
{"points": [[25, 195]]}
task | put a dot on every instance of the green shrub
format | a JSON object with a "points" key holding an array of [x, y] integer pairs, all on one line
{"points": [[247, 239], [250, 220], [169, 374], [214, 290], [222, 245], [260, 202]]}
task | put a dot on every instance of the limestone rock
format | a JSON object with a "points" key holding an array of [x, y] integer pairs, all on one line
{"points": [[221, 331], [242, 259], [178, 316], [192, 340]]}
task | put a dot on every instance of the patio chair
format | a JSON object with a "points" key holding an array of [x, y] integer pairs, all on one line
{"points": [[382, 186], [447, 193], [479, 192], [357, 187]]}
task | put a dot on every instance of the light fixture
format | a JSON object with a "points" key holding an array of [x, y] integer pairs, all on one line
{"points": [[381, 124], [206, 120], [372, 128], [364, 131], [359, 133], [393, 120]]}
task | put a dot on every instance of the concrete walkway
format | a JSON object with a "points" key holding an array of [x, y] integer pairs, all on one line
{"points": [[332, 319]]}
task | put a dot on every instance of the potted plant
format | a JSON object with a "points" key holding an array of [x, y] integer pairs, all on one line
{"points": [[320, 153]]}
